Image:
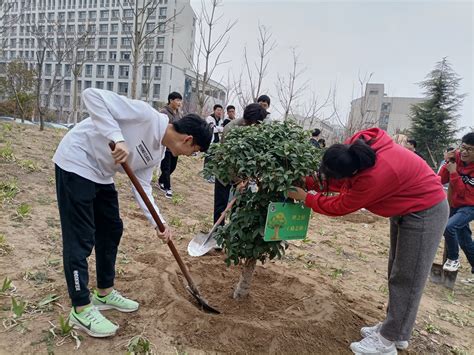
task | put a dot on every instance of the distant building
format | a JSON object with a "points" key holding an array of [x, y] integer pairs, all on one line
{"points": [[331, 133], [164, 64], [375, 109]]}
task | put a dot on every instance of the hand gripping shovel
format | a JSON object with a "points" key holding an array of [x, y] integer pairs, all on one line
{"points": [[191, 288], [443, 277], [203, 243]]}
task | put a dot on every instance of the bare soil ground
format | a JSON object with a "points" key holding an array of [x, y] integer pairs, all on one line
{"points": [[314, 300]]}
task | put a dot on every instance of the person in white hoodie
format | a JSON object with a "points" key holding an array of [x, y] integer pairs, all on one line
{"points": [[87, 198]]}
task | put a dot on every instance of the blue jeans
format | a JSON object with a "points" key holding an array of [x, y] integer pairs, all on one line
{"points": [[458, 234]]}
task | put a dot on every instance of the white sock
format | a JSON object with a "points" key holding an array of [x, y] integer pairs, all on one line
{"points": [[385, 341]]}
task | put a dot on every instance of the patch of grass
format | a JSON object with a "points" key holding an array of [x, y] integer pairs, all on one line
{"points": [[6, 285], [140, 345], [8, 190], [5, 247], [177, 199], [383, 289], [39, 277], [64, 327], [52, 222], [18, 307], [7, 127], [432, 329], [44, 200], [453, 318], [22, 212], [154, 178], [337, 272], [176, 222], [339, 250], [28, 165], [6, 152], [450, 297]]}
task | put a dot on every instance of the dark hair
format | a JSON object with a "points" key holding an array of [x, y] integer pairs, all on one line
{"points": [[230, 107], [316, 132], [322, 142], [216, 106], [342, 160], [195, 126], [468, 138], [412, 142], [264, 98], [255, 113], [173, 96]]}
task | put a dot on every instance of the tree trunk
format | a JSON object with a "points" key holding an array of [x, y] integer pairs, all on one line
{"points": [[74, 100], [243, 287], [133, 91]]}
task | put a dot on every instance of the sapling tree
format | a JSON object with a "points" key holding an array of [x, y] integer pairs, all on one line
{"points": [[271, 158]]}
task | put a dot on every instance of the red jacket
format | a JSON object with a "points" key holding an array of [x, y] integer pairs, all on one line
{"points": [[461, 183], [399, 183]]}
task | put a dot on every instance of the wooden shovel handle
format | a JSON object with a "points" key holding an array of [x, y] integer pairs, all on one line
{"points": [[157, 220]]}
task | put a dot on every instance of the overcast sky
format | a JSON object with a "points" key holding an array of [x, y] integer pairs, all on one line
{"points": [[399, 42]]}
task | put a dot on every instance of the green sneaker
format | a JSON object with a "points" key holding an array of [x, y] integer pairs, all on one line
{"points": [[114, 300], [92, 322]]}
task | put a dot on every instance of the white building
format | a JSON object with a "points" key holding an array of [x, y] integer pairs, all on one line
{"points": [[111, 27], [331, 133], [375, 109]]}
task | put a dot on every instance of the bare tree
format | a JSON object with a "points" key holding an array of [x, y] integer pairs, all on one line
{"points": [[140, 29], [208, 53], [313, 109], [76, 58], [362, 115], [288, 89]]}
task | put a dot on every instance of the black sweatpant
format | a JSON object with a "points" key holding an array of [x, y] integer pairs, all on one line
{"points": [[168, 165], [221, 199], [90, 218]]}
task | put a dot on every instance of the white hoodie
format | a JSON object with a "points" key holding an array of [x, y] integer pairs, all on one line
{"points": [[85, 149]]}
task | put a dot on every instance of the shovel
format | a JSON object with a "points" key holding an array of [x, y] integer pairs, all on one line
{"points": [[191, 288], [203, 243], [443, 277]]}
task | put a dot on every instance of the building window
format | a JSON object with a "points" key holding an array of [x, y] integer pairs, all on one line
{"points": [[163, 11], [81, 28], [71, 15], [104, 14], [102, 55], [146, 72], [89, 70], [104, 28], [87, 84], [123, 88], [126, 27], [100, 71], [159, 57], [148, 57], [47, 69], [113, 42], [67, 85], [373, 92], [123, 71], [124, 56], [82, 15], [115, 14], [99, 84], [110, 85], [67, 101], [161, 42], [158, 73], [114, 27], [126, 42], [92, 15], [127, 13], [113, 56], [156, 90], [110, 71], [90, 55]]}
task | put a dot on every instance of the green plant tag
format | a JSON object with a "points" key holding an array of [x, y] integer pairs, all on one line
{"points": [[286, 221]]}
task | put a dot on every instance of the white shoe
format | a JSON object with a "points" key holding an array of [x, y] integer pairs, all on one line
{"points": [[451, 265], [368, 331], [169, 194], [373, 345]]}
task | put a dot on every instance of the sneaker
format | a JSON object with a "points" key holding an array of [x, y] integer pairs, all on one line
{"points": [[169, 194], [373, 345], [114, 300], [368, 331], [468, 281], [451, 265], [92, 322], [211, 180], [162, 187]]}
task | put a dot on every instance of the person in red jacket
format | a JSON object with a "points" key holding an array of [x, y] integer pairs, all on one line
{"points": [[373, 172], [458, 171]]}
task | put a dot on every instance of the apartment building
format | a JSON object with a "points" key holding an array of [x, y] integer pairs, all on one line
{"points": [[376, 109], [104, 34]]}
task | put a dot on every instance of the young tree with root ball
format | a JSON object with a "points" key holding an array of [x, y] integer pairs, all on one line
{"points": [[271, 158]]}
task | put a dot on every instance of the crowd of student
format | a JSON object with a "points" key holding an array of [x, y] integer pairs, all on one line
{"points": [[369, 171]]}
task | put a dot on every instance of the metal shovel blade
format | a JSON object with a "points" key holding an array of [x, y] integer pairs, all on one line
{"points": [[443, 277], [202, 302], [201, 244]]}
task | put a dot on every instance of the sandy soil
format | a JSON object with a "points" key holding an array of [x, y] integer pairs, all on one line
{"points": [[314, 300]]}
